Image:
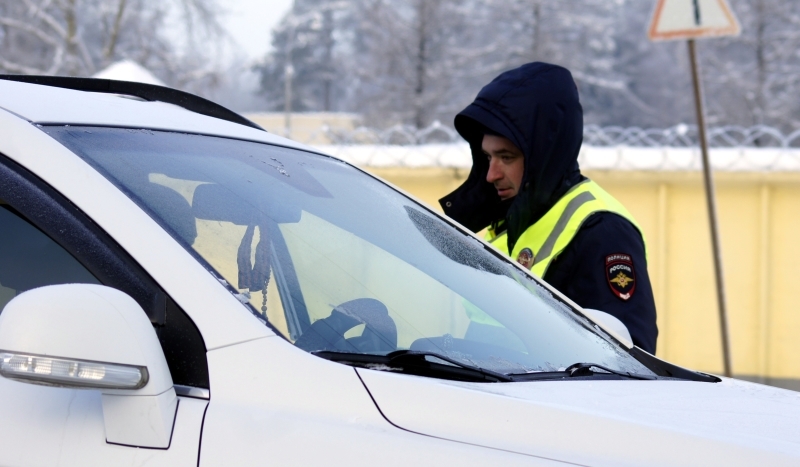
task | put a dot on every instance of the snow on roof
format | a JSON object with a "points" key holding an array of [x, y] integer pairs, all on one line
{"points": [[128, 70]]}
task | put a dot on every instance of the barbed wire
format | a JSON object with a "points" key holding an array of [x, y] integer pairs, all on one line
{"points": [[733, 148], [664, 158], [397, 135], [681, 135]]}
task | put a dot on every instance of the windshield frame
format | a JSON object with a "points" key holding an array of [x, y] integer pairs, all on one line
{"points": [[660, 368]]}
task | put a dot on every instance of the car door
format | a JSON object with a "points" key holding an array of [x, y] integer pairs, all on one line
{"points": [[45, 240]]}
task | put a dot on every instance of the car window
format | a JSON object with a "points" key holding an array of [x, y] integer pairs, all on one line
{"points": [[54, 220], [30, 259], [334, 260], [336, 266]]}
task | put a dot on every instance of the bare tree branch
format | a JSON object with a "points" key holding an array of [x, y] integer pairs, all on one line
{"points": [[113, 37], [17, 68], [13, 23]]}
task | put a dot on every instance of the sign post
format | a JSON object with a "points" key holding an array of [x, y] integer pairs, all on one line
{"points": [[690, 19]]}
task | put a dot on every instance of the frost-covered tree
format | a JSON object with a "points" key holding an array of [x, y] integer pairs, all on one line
{"points": [[391, 60], [407, 60], [79, 37], [755, 78], [416, 61], [306, 61]]}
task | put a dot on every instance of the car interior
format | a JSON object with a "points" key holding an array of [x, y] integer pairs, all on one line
{"points": [[30, 259], [359, 324]]}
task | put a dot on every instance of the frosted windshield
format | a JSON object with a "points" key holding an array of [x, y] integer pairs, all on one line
{"points": [[335, 260]]}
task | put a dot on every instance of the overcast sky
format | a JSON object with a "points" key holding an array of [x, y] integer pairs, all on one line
{"points": [[250, 23]]}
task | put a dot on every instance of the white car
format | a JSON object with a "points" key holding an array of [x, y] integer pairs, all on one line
{"points": [[179, 287]]}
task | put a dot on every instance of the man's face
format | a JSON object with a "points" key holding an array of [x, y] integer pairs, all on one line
{"points": [[506, 165]]}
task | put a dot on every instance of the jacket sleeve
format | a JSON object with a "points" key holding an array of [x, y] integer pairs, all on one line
{"points": [[580, 273]]}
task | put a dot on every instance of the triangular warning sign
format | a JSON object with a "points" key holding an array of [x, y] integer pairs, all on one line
{"points": [[688, 19]]}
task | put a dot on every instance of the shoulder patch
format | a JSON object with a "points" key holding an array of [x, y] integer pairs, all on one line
{"points": [[620, 275]]}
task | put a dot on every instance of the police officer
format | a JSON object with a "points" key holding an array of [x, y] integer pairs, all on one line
{"points": [[525, 130]]}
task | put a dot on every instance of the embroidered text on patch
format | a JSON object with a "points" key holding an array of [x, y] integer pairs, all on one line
{"points": [[620, 275]]}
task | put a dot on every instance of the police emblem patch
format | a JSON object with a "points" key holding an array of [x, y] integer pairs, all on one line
{"points": [[525, 258], [620, 275]]}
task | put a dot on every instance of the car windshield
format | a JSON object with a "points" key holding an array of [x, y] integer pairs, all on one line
{"points": [[335, 260]]}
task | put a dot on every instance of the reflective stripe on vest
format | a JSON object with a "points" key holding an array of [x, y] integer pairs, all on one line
{"points": [[548, 237]]}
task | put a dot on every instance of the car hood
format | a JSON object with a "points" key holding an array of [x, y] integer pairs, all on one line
{"points": [[603, 422]]}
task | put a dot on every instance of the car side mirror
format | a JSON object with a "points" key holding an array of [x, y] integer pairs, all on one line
{"points": [[86, 336], [610, 324]]}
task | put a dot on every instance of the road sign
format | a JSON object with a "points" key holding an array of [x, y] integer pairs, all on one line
{"points": [[689, 19]]}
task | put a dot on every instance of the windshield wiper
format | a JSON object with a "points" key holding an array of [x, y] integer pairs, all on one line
{"points": [[585, 369], [576, 370], [419, 356], [415, 362]]}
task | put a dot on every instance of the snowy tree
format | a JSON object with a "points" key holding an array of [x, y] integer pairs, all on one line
{"points": [[304, 61], [406, 64], [78, 37], [755, 78], [416, 61]]}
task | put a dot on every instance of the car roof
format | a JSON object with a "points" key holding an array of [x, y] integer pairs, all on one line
{"points": [[42, 104]]}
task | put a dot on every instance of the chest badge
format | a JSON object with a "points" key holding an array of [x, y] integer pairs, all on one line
{"points": [[620, 275], [526, 257]]}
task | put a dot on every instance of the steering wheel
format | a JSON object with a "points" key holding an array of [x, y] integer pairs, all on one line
{"points": [[380, 331]]}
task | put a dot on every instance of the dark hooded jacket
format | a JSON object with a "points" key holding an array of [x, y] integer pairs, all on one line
{"points": [[536, 107]]}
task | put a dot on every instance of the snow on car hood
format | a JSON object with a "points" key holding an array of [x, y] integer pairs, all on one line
{"points": [[601, 422]]}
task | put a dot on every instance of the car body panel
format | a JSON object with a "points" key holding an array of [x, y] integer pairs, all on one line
{"points": [[46, 426], [51, 105], [274, 403], [602, 422], [196, 290]]}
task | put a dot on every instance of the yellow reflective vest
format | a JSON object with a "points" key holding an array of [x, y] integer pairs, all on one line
{"points": [[543, 241]]}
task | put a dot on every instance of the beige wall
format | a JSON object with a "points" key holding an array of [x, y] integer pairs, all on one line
{"points": [[306, 127], [760, 221]]}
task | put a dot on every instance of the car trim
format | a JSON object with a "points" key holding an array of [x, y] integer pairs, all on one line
{"points": [[148, 92], [191, 391]]}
